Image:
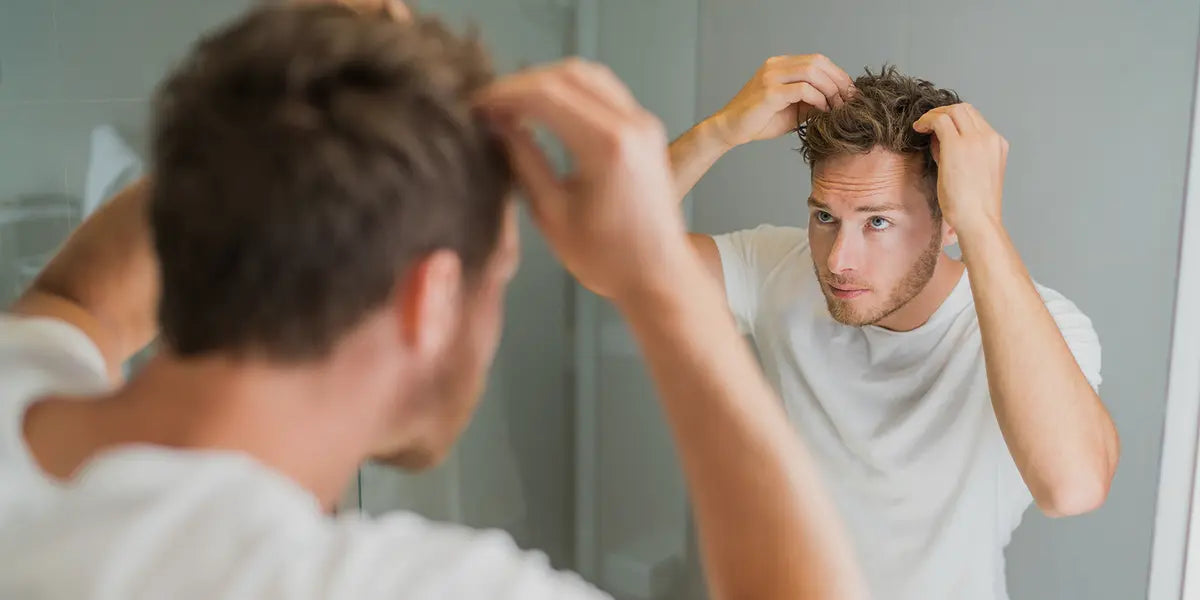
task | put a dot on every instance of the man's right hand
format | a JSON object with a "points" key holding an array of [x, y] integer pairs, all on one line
{"points": [[779, 96], [613, 221]]}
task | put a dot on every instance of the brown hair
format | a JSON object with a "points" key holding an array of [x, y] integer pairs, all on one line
{"points": [[303, 157], [880, 113]]}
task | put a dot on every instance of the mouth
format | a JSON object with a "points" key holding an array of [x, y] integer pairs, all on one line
{"points": [[846, 293]]}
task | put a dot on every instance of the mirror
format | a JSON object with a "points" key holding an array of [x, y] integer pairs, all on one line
{"points": [[569, 452]]}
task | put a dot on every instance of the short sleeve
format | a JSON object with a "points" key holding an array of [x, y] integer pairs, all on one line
{"points": [[41, 356], [1078, 332], [1076, 329], [748, 259], [405, 556]]}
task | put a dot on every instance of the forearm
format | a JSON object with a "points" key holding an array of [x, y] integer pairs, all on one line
{"points": [[1059, 433], [766, 527], [104, 279], [693, 154]]}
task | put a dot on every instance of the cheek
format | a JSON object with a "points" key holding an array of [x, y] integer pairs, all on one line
{"points": [[897, 250], [820, 243]]}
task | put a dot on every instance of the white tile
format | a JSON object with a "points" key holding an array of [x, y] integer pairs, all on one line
{"points": [[123, 48], [28, 66]]}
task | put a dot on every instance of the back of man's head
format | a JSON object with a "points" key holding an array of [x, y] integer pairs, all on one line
{"points": [[304, 156], [879, 114]]}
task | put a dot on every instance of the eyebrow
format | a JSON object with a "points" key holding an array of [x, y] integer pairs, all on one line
{"points": [[873, 208]]}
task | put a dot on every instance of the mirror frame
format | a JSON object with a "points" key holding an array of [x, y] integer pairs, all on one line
{"points": [[1175, 551]]}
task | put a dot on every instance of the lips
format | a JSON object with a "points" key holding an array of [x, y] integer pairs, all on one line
{"points": [[846, 293]]}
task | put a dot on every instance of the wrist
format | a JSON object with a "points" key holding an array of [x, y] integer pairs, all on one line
{"points": [[970, 224], [712, 134], [978, 235], [677, 279]]}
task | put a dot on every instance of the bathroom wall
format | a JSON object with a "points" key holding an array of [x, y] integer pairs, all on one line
{"points": [[67, 66]]}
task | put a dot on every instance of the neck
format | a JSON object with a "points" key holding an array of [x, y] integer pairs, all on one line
{"points": [[305, 422], [916, 312]]}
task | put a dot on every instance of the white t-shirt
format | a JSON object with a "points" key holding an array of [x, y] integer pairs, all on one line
{"points": [[900, 422], [144, 522]]}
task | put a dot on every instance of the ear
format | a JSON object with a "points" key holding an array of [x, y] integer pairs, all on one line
{"points": [[949, 236], [430, 303]]}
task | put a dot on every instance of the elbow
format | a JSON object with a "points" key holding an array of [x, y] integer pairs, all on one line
{"points": [[1081, 495]]}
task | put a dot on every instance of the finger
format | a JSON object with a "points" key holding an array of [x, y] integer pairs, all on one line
{"points": [[802, 69], [964, 116], [844, 83], [828, 87], [577, 118], [944, 131], [543, 189], [805, 92], [925, 124], [600, 82], [399, 11]]}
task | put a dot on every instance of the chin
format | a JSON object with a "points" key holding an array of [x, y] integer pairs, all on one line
{"points": [[843, 312], [413, 459]]}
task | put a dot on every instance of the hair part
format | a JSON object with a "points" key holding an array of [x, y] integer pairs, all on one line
{"points": [[304, 157], [880, 114]]}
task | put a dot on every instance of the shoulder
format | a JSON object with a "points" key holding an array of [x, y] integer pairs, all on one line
{"points": [[764, 247], [418, 558], [41, 357], [1077, 331], [215, 526], [771, 235], [39, 348], [1066, 313]]}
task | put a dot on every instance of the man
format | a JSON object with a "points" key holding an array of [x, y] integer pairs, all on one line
{"points": [[940, 396], [328, 245]]}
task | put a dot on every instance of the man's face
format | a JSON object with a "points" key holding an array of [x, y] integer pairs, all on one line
{"points": [[453, 385], [874, 239]]}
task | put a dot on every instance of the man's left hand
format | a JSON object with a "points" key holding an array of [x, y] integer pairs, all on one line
{"points": [[971, 159]]}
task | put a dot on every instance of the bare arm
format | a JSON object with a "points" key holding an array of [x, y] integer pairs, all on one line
{"points": [[1060, 435], [772, 103], [693, 154], [104, 280], [775, 99], [1058, 431], [767, 529]]}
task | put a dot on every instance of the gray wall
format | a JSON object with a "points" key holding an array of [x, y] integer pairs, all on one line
{"points": [[1095, 99]]}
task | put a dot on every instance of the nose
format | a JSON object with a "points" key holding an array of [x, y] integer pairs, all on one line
{"points": [[846, 252]]}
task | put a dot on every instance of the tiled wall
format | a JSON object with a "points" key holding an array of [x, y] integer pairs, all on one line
{"points": [[67, 66]]}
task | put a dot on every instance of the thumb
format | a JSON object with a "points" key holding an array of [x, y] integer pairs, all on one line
{"points": [[543, 190]]}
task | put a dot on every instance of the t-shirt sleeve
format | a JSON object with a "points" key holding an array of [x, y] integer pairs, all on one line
{"points": [[1077, 330], [404, 556], [748, 258], [41, 356], [50, 353]]}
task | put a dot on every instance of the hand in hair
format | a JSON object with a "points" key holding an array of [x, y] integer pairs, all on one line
{"points": [[396, 9], [779, 96], [971, 159], [615, 216]]}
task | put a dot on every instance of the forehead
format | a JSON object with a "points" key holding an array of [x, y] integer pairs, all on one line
{"points": [[859, 178]]}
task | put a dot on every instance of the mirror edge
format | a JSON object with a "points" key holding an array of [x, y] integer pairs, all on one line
{"points": [[1175, 549]]}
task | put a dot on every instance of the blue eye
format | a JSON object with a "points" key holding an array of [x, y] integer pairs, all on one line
{"points": [[879, 223], [823, 217]]}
